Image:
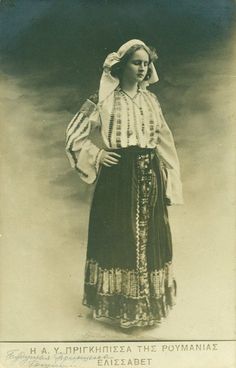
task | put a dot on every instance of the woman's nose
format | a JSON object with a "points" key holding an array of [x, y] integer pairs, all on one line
{"points": [[142, 66]]}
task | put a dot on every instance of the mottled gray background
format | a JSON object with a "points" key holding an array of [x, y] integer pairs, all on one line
{"points": [[51, 57]]}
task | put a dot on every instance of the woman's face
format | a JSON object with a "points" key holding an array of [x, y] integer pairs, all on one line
{"points": [[136, 67]]}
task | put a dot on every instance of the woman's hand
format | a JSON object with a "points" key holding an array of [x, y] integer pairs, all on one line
{"points": [[109, 158]]}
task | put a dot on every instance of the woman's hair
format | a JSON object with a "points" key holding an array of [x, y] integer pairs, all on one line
{"points": [[117, 69]]}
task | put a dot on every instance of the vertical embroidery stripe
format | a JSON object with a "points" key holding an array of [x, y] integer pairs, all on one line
{"points": [[72, 122], [76, 129], [117, 113], [111, 122], [86, 110], [142, 115], [151, 118], [79, 134], [144, 172], [72, 153], [153, 108], [128, 133], [136, 125]]}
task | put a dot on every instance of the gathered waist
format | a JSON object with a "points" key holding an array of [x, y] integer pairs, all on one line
{"points": [[133, 150]]}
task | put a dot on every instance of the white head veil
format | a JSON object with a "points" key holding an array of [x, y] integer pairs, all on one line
{"points": [[108, 83]]}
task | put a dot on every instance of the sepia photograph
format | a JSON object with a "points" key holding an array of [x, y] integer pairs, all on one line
{"points": [[117, 183]]}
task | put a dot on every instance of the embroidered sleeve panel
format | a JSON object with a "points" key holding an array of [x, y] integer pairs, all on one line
{"points": [[94, 98], [90, 105], [81, 151]]}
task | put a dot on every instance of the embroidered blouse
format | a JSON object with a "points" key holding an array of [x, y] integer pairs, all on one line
{"points": [[122, 121]]}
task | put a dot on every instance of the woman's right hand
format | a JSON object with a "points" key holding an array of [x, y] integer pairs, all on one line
{"points": [[109, 158]]}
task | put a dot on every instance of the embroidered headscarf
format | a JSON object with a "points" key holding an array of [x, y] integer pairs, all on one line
{"points": [[108, 83]]}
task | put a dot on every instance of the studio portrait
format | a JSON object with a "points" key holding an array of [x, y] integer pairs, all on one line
{"points": [[118, 170]]}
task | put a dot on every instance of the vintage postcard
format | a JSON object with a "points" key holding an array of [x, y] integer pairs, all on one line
{"points": [[117, 183]]}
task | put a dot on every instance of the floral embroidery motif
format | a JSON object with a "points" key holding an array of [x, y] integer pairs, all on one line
{"points": [[142, 217]]}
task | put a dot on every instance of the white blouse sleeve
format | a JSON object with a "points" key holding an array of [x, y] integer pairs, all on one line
{"points": [[83, 154], [167, 154]]}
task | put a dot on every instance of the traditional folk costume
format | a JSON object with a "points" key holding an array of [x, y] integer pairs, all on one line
{"points": [[128, 273]]}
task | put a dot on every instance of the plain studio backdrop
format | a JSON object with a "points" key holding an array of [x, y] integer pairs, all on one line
{"points": [[51, 58]]}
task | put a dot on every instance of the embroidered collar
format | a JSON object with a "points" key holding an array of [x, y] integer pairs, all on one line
{"points": [[139, 89]]}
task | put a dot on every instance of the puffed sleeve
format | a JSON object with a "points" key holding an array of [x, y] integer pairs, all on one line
{"points": [[83, 154], [167, 154]]}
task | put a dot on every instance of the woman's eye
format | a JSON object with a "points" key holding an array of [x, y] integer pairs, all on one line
{"points": [[137, 62]]}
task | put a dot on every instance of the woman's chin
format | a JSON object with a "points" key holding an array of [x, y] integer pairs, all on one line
{"points": [[140, 79]]}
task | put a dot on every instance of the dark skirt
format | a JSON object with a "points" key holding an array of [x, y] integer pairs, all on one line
{"points": [[128, 275]]}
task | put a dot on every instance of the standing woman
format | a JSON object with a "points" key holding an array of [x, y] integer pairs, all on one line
{"points": [[128, 272]]}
